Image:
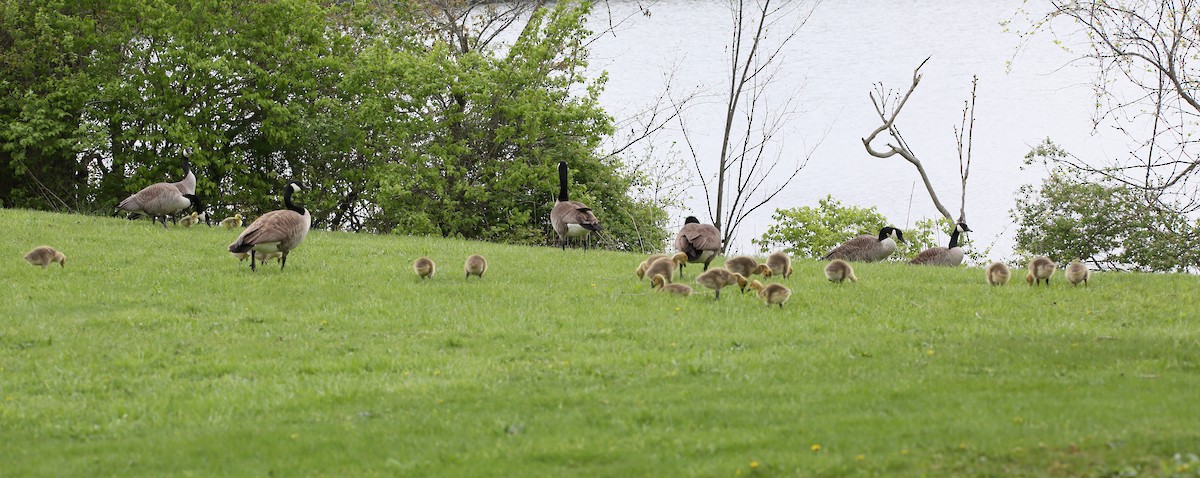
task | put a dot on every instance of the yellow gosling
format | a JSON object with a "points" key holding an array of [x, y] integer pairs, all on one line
{"points": [[997, 274], [839, 270], [424, 267], [661, 284]]}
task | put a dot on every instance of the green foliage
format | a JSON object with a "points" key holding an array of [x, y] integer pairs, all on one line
{"points": [[395, 128], [1070, 216], [155, 353], [812, 232]]}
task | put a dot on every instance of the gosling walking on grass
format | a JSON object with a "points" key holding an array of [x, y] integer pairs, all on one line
{"points": [[1077, 272], [424, 267], [44, 256], [1040, 268], [997, 274], [661, 284], [772, 294], [839, 270], [232, 222], [476, 265]]}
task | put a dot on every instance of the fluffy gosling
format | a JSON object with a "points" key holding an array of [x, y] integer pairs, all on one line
{"points": [[719, 278], [1040, 268], [1078, 272], [666, 267], [780, 264], [747, 266], [839, 270], [641, 268], [262, 257], [661, 284], [424, 267], [772, 294], [997, 274], [44, 256], [232, 222], [190, 220], [475, 265]]}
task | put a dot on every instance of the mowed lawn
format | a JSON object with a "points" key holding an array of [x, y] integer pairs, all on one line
{"points": [[156, 353]]}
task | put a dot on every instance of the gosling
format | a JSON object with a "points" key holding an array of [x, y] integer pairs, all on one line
{"points": [[666, 267], [1040, 268], [641, 268], [839, 270], [424, 267], [44, 255], [780, 264], [232, 222], [719, 278], [475, 265], [747, 266], [190, 220], [661, 284], [772, 294], [997, 274], [1077, 272], [260, 256]]}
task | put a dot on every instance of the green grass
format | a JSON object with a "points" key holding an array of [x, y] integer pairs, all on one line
{"points": [[154, 352]]}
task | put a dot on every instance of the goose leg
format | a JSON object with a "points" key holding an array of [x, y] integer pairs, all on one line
{"points": [[283, 260], [252, 267]]}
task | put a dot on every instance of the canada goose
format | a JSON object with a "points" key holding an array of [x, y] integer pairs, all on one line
{"points": [[661, 284], [997, 274], [570, 218], [944, 256], [747, 266], [475, 265], [188, 184], [190, 220], [1078, 272], [868, 248], [424, 267], [157, 201], [666, 267], [780, 264], [839, 270], [641, 268], [719, 278], [701, 242], [772, 294], [1040, 268], [44, 255], [280, 230], [232, 222]]}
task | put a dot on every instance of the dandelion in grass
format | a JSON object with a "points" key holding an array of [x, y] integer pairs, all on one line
{"points": [[930, 352], [754, 465], [816, 447], [860, 457]]}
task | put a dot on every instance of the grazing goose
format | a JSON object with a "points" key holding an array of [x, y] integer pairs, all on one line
{"points": [[780, 264], [747, 266], [1040, 268], [570, 218], [279, 231], [666, 267], [997, 273], [701, 242], [867, 248], [839, 270], [772, 294], [262, 257], [475, 265], [424, 267], [944, 256], [44, 256], [641, 268], [1078, 272], [719, 278], [190, 220], [661, 284], [232, 222], [157, 201]]}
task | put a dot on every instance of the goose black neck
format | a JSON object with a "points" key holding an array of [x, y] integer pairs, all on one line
{"points": [[883, 233], [691, 220], [287, 201], [954, 238], [187, 166], [195, 201], [562, 181]]}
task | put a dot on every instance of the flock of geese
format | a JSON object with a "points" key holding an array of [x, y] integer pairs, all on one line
{"points": [[276, 233]]}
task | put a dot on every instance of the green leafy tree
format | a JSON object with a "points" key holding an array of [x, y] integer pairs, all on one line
{"points": [[1111, 226], [813, 231]]}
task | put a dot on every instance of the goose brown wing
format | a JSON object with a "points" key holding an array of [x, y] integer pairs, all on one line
{"points": [[930, 255], [699, 237], [853, 250], [274, 226]]}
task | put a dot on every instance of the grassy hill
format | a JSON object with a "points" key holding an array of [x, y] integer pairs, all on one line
{"points": [[154, 352]]}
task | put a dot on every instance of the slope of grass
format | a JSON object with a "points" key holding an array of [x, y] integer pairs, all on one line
{"points": [[154, 353]]}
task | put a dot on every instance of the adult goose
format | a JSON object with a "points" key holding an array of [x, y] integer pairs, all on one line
{"points": [[868, 248], [277, 231], [701, 242], [944, 256], [158, 200], [188, 184], [570, 218]]}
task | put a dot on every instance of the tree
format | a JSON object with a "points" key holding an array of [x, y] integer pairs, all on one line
{"points": [[888, 105], [813, 231], [748, 156], [1146, 87], [1106, 223]]}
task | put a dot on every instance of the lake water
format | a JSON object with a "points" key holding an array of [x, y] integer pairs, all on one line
{"points": [[845, 48]]}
